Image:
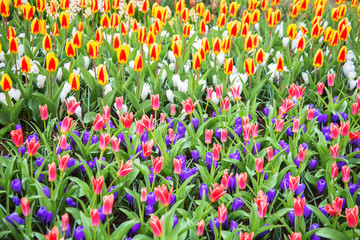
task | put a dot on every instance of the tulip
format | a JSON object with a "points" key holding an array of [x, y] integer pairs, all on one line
{"points": [[25, 207], [97, 184], [52, 172], [4, 10], [344, 128], [352, 215], [25, 66], [65, 21], [108, 201], [269, 154], [127, 120], [302, 153], [216, 152], [346, 174], [330, 79], [310, 114], [74, 82], [53, 234], [189, 105], [70, 49], [102, 75], [65, 222], [279, 125], [246, 236], [355, 108], [32, 147], [217, 192], [241, 180], [222, 212], [99, 122], [200, 227], [43, 112], [147, 123], [320, 88], [63, 162], [172, 109], [17, 137], [64, 4], [143, 196], [334, 170], [93, 48], [157, 225], [259, 163], [334, 131], [104, 141], [163, 195], [66, 125], [223, 133], [219, 91], [208, 136], [155, 102], [293, 183], [299, 205], [318, 59], [28, 11], [125, 169], [147, 147], [177, 166], [157, 164], [95, 217], [295, 236]]}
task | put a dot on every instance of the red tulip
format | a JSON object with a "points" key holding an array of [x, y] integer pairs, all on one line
{"points": [[334, 130], [262, 204], [25, 206], [95, 217], [62, 142], [108, 201], [163, 195], [147, 122], [295, 236], [177, 166], [127, 120], [53, 234], [99, 122], [352, 215], [331, 210], [299, 205], [241, 180], [52, 172], [65, 222], [217, 192], [216, 152], [17, 137], [293, 183], [139, 128], [157, 164], [125, 169], [104, 141], [97, 184], [320, 88], [337, 204], [302, 153], [346, 174], [157, 225], [344, 128], [222, 212], [147, 147], [310, 114], [355, 108], [32, 147], [43, 112]]}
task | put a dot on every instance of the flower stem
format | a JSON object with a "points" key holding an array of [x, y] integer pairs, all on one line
{"points": [[108, 226]]}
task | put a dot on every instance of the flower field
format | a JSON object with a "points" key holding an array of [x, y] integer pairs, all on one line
{"points": [[179, 119]]}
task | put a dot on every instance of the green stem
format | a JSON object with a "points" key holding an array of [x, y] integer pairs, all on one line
{"points": [[108, 226], [177, 182], [113, 182], [220, 231], [31, 167], [51, 189], [152, 185], [335, 221], [94, 233], [93, 204]]}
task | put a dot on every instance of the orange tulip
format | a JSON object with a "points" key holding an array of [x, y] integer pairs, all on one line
{"points": [[107, 6], [316, 30], [142, 35], [179, 7], [301, 44], [6, 83], [114, 20], [35, 26], [53, 9], [200, 8], [102, 75], [260, 56], [264, 5], [234, 6], [74, 81], [123, 29], [105, 21], [202, 28], [145, 6], [40, 5], [253, 4], [13, 45], [280, 64], [4, 8], [318, 58], [55, 30], [248, 44], [205, 45], [130, 10], [10, 33], [334, 38], [216, 46], [65, 20], [177, 48], [228, 66], [51, 62], [43, 29], [70, 49], [223, 7], [233, 28], [135, 27], [83, 4], [25, 64], [155, 52], [291, 31], [93, 48], [138, 64], [244, 30], [226, 44], [196, 61], [28, 11], [116, 42], [327, 34], [77, 39], [342, 54], [207, 16], [185, 15], [295, 10], [202, 53], [94, 6], [123, 53], [115, 4], [221, 20], [249, 66], [99, 37], [303, 30], [46, 42], [255, 16], [151, 37], [186, 30], [64, 4]]}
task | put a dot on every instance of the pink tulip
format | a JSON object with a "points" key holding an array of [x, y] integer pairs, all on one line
{"points": [[143, 197], [65, 222], [241, 180], [95, 217], [53, 234], [63, 162], [139, 128], [157, 225], [296, 124], [295, 236], [223, 134], [172, 109], [127, 120], [310, 114], [66, 124], [279, 125], [245, 120], [302, 153], [17, 137], [259, 163], [106, 113], [200, 227], [52, 172], [43, 112], [163, 195], [337, 204], [108, 201], [346, 173], [225, 104], [208, 136], [216, 152], [269, 153], [71, 105], [177, 166], [254, 130], [222, 212], [125, 169], [320, 88], [217, 192], [352, 215], [344, 128], [99, 122], [104, 141], [119, 103], [32, 147], [293, 183], [115, 142], [226, 179], [189, 105], [147, 123], [334, 170], [334, 131], [155, 101], [299, 204], [162, 118], [62, 142], [247, 132], [157, 164], [235, 91], [25, 206], [147, 147], [330, 79], [209, 92], [355, 108], [97, 184], [171, 135], [219, 91], [246, 236], [334, 151]]}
